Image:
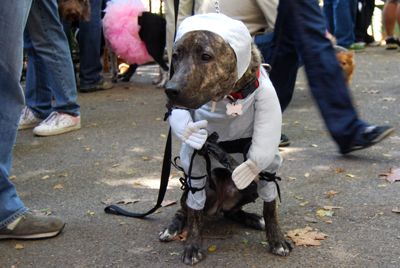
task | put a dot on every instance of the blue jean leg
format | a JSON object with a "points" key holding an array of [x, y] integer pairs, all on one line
{"points": [[89, 39], [13, 15], [50, 62], [341, 20], [303, 22]]}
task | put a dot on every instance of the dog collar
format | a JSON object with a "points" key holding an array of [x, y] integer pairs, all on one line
{"points": [[248, 89]]}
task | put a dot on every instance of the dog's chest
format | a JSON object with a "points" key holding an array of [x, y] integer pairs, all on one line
{"points": [[228, 127]]}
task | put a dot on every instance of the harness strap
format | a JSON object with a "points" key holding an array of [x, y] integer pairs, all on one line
{"points": [[266, 176]]}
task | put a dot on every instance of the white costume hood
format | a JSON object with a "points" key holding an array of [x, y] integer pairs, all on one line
{"points": [[234, 32]]}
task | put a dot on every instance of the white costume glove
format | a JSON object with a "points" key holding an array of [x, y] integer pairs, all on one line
{"points": [[192, 133], [195, 134], [245, 173]]}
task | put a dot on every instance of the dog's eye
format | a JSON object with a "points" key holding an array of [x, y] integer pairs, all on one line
{"points": [[206, 57]]}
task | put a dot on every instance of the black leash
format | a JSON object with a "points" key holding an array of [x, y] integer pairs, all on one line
{"points": [[165, 172]]}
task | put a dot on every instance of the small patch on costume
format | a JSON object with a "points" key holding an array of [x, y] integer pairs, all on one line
{"points": [[234, 109]]}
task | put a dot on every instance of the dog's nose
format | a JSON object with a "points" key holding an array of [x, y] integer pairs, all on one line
{"points": [[171, 89]]}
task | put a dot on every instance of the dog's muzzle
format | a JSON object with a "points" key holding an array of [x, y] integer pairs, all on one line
{"points": [[172, 90]]}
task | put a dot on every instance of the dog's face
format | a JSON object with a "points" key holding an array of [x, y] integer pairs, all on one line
{"points": [[204, 67], [346, 60], [74, 10]]}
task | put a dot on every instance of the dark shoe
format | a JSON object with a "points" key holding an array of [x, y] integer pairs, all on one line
{"points": [[102, 85], [392, 43], [284, 141], [30, 226], [371, 136]]}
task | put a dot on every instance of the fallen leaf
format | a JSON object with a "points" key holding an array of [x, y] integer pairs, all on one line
{"points": [[115, 165], [350, 175], [19, 246], [212, 248], [382, 185], [298, 197], [302, 204], [331, 207], [63, 175], [13, 177], [145, 158], [182, 236], [339, 170], [292, 178], [396, 210], [307, 175], [58, 187], [163, 136], [245, 241], [388, 99], [90, 213], [167, 203], [331, 194], [314, 145], [174, 253], [324, 213], [127, 201], [310, 219], [306, 237], [45, 177], [392, 176]]}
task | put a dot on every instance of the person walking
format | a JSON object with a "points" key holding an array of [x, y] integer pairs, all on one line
{"points": [[16, 222]]}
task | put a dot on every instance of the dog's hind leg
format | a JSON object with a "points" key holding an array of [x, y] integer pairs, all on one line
{"points": [[277, 243], [193, 252], [250, 220], [175, 228]]}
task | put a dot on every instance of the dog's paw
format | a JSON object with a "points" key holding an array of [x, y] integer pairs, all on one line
{"points": [[192, 255], [281, 248], [167, 235]]}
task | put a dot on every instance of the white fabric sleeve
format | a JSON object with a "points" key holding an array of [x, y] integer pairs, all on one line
{"points": [[267, 126]]}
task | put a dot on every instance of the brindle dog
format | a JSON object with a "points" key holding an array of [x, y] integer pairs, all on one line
{"points": [[74, 10], [204, 67]]}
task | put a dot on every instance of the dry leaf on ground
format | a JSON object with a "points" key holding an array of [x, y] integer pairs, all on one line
{"points": [[212, 248], [167, 203], [392, 176], [19, 246], [310, 219], [182, 236], [324, 213], [125, 201], [331, 194], [58, 187], [331, 207], [339, 170], [396, 210], [306, 237]]}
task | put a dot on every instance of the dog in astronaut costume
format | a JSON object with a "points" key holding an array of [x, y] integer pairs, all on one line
{"points": [[218, 85]]}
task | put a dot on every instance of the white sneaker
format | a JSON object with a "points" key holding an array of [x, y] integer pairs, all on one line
{"points": [[57, 123], [28, 119]]}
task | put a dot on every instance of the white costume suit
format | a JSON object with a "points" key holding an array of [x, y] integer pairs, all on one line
{"points": [[261, 118]]}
